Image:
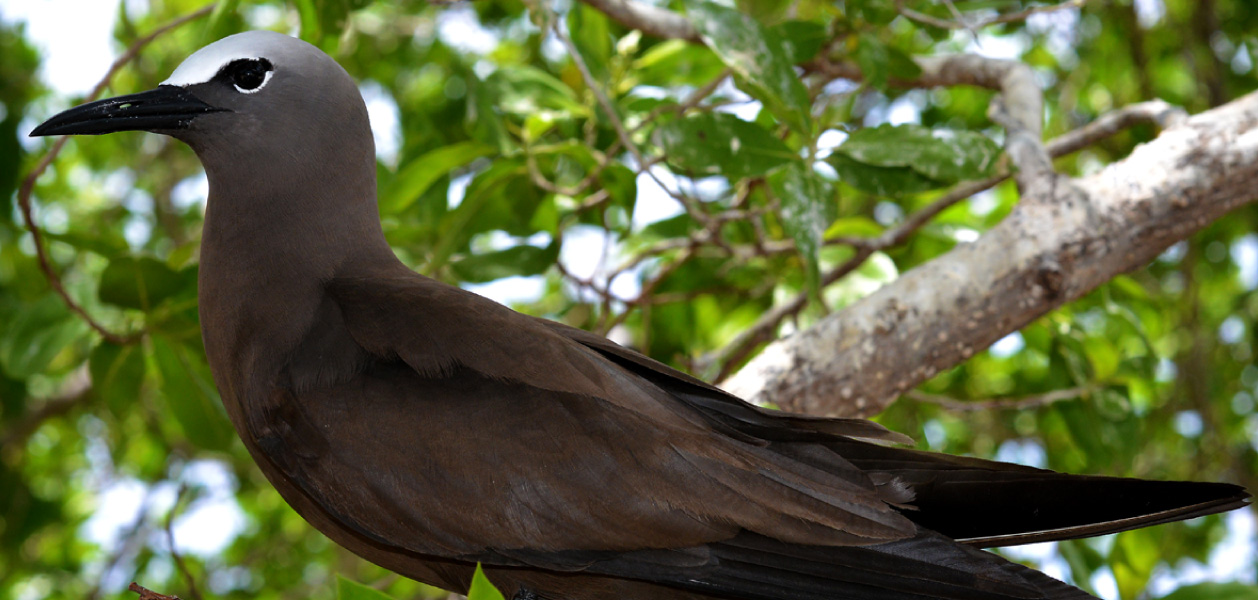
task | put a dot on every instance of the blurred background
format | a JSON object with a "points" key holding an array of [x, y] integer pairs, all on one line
{"points": [[501, 172]]}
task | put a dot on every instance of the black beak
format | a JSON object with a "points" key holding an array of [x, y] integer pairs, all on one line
{"points": [[166, 108]]}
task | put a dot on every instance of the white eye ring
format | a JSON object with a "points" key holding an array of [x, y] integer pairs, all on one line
{"points": [[265, 78]]}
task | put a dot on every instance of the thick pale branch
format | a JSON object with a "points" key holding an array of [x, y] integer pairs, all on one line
{"points": [[1064, 239], [1015, 81], [1156, 112]]}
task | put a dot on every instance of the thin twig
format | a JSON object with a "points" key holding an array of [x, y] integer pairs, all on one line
{"points": [[762, 331], [956, 14], [644, 165], [592, 83], [130, 538], [1156, 112], [1010, 403], [147, 594], [686, 104], [961, 23], [604, 160], [729, 356], [78, 389], [170, 540], [649, 288], [28, 183]]}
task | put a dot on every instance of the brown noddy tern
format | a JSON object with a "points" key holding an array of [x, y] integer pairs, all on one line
{"points": [[428, 429]]}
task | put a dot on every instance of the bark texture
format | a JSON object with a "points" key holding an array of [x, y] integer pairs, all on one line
{"points": [[1065, 238]]}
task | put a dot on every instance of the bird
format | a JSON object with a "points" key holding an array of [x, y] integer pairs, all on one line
{"points": [[428, 429]]}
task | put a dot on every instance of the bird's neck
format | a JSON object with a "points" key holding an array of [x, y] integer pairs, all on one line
{"points": [[272, 239]]}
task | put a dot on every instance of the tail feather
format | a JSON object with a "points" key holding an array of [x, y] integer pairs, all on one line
{"points": [[987, 504], [925, 567]]}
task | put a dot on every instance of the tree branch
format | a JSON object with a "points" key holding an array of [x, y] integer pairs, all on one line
{"points": [[28, 183], [1014, 17], [147, 594], [1064, 239], [131, 539], [593, 84], [169, 527], [78, 391], [666, 24], [1019, 108], [1013, 403], [786, 378], [651, 20], [1155, 111]]}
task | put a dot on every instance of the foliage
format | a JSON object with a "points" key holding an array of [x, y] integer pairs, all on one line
{"points": [[509, 165], [481, 588]]}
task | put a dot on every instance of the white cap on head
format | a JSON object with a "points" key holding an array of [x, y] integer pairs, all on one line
{"points": [[205, 63]]}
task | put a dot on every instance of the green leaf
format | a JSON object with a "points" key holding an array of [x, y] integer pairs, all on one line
{"points": [[801, 39], [10, 152], [902, 65], [943, 155], [1133, 558], [490, 202], [334, 15], [757, 57], [308, 16], [807, 208], [526, 91], [873, 58], [322, 20], [139, 282], [1103, 357], [190, 395], [1084, 561], [35, 333], [855, 226], [352, 590], [721, 144], [675, 226], [418, 175], [483, 122], [677, 62], [622, 183], [481, 588], [117, 374], [591, 33], [876, 12], [523, 260], [1214, 591], [109, 243], [883, 181], [219, 17]]}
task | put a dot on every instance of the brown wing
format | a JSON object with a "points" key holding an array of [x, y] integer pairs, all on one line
{"points": [[718, 403], [472, 429]]}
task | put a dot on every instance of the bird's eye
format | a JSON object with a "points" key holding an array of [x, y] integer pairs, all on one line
{"points": [[247, 75]]}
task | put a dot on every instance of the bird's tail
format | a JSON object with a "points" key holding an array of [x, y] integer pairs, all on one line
{"points": [[925, 567], [986, 503]]}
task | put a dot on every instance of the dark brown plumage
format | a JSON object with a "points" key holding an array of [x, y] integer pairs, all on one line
{"points": [[428, 429]]}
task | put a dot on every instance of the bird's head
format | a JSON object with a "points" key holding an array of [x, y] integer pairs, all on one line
{"points": [[257, 91]]}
